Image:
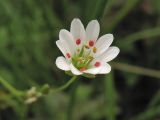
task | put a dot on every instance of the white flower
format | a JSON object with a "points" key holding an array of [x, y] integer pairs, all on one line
{"points": [[84, 52]]}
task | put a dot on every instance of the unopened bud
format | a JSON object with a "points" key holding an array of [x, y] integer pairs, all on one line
{"points": [[45, 89]]}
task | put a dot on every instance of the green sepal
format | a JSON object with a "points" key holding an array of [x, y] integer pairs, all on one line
{"points": [[45, 89], [69, 73], [84, 75], [88, 75]]}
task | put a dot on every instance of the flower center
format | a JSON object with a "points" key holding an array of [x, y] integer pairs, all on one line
{"points": [[82, 59], [82, 69], [83, 56]]}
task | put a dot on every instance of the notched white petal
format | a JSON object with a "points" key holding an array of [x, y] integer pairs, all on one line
{"points": [[62, 63], [92, 30], [77, 29], [94, 70], [74, 70], [61, 47], [103, 43], [67, 38], [106, 68], [110, 54], [65, 34]]}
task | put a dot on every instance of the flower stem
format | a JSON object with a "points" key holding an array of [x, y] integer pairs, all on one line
{"points": [[10, 88], [147, 33], [110, 97], [72, 101], [136, 69], [65, 85]]}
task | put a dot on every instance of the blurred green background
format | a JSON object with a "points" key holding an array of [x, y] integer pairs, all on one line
{"points": [[28, 31]]}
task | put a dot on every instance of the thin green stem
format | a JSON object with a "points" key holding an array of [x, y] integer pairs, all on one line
{"points": [[122, 13], [72, 101], [65, 85], [136, 69], [110, 97], [152, 32], [155, 100], [98, 11], [149, 114], [108, 7], [10, 88]]}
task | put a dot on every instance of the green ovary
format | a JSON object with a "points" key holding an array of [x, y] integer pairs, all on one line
{"points": [[81, 60]]}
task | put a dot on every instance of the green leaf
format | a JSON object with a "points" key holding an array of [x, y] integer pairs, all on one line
{"points": [[95, 9]]}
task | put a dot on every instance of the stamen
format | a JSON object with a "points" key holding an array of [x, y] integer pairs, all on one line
{"points": [[78, 50], [68, 55], [78, 41], [94, 49], [86, 46], [82, 69], [90, 57], [91, 43], [79, 59], [97, 64]]}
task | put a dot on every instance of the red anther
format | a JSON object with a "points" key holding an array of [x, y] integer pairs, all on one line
{"points": [[82, 69], [97, 64], [68, 55], [78, 41], [91, 43]]}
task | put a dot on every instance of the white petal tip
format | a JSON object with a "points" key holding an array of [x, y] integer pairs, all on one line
{"points": [[105, 69], [76, 19], [117, 50], [94, 20], [62, 64]]}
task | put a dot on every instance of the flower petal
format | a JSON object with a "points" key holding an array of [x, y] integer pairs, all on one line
{"points": [[74, 70], [61, 47], [94, 70], [62, 64], [67, 38], [77, 30], [103, 43], [110, 54], [92, 30], [106, 68]]}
